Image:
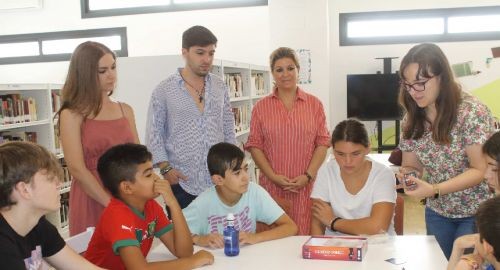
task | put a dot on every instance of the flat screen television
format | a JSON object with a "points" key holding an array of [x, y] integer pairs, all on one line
{"points": [[373, 97]]}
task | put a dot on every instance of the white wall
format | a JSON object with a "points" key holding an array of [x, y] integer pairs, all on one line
{"points": [[243, 34], [301, 24], [360, 59], [247, 35]]}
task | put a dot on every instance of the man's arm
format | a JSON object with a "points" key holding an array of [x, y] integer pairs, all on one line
{"points": [[155, 127], [228, 119], [67, 258]]}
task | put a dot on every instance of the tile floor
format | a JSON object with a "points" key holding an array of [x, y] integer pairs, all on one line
{"points": [[413, 221]]}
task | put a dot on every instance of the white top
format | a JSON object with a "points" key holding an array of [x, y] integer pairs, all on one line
{"points": [[379, 187], [414, 252]]}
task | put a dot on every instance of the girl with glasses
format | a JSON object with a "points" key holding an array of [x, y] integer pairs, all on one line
{"points": [[442, 133]]}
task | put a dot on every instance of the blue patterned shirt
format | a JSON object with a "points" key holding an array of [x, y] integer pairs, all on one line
{"points": [[178, 132]]}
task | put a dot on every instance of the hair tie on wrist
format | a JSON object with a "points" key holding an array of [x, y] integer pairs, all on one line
{"points": [[333, 223]]}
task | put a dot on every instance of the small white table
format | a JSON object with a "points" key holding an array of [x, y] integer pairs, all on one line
{"points": [[418, 252]]}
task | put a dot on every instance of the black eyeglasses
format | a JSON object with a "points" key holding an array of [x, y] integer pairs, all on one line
{"points": [[418, 86]]}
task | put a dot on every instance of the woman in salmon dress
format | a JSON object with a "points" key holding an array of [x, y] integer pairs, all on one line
{"points": [[90, 123]]}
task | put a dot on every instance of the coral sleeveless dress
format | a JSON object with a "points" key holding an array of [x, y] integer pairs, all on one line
{"points": [[97, 137]]}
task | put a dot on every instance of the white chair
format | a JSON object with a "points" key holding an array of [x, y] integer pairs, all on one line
{"points": [[80, 242]]}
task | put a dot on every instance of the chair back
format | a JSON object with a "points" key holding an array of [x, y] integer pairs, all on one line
{"points": [[284, 204], [399, 211], [80, 242]]}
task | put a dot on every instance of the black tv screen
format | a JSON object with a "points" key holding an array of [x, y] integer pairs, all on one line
{"points": [[373, 97]]}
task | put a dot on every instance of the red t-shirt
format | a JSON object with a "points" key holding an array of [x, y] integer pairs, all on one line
{"points": [[121, 226]]}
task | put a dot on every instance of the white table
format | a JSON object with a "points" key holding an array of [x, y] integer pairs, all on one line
{"points": [[384, 159], [419, 252]]}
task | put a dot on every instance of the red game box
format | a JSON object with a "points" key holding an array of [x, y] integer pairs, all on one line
{"points": [[343, 248]]}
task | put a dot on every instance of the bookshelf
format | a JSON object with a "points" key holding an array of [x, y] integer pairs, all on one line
{"points": [[247, 84], [27, 114]]}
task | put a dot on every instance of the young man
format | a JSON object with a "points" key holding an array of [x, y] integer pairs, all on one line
{"points": [[29, 189], [233, 193], [124, 234], [189, 112]]}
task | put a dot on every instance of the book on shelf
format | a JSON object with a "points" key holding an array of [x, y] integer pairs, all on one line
{"points": [[258, 83], [57, 142], [64, 210], [16, 109], [66, 181], [234, 83], [10, 136], [56, 100], [241, 117]]}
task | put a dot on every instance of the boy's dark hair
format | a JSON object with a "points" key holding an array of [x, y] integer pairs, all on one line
{"points": [[492, 148], [198, 36], [224, 156], [120, 163], [350, 130], [488, 224], [19, 162]]}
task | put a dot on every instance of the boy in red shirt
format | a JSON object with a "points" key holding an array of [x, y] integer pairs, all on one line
{"points": [[124, 234]]}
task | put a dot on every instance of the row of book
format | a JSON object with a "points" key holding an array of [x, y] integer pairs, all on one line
{"points": [[234, 83], [258, 83], [56, 101], [241, 117], [17, 109], [64, 210], [66, 181], [10, 136], [60, 219]]}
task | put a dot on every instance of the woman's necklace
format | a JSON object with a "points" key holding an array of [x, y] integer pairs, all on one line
{"points": [[198, 92]]}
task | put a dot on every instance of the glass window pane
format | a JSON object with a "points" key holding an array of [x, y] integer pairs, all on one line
{"points": [[112, 4], [468, 24], [68, 45], [388, 28], [199, 1], [19, 49]]}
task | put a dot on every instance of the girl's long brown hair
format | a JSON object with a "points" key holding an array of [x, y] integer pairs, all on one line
{"points": [[81, 92], [431, 62]]}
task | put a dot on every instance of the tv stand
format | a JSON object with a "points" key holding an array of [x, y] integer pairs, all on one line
{"points": [[381, 147]]}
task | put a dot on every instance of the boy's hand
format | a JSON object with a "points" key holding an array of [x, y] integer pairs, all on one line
{"points": [[465, 241], [213, 240], [248, 238], [202, 258], [163, 188]]}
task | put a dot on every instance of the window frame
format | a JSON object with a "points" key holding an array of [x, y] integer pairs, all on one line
{"points": [[345, 18], [87, 13], [40, 37]]}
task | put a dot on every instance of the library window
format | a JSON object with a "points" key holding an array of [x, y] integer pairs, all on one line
{"points": [[386, 28], [414, 26], [99, 8], [58, 46], [470, 24]]}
